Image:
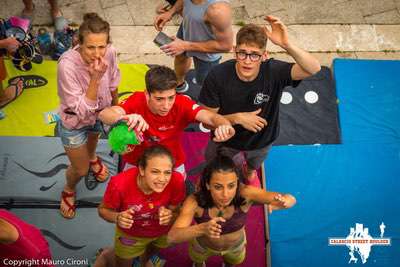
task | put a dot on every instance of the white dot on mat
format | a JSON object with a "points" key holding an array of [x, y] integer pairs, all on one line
{"points": [[286, 98], [311, 97], [203, 129]]}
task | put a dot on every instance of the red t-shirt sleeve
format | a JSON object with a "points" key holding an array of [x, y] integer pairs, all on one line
{"points": [[130, 103], [189, 108], [112, 197], [178, 189]]}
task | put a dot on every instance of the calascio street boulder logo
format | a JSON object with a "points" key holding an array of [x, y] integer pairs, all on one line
{"points": [[360, 242]]}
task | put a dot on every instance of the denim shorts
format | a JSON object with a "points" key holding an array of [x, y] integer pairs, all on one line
{"points": [[76, 137]]}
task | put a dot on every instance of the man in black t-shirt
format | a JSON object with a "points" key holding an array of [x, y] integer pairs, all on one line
{"points": [[247, 92]]}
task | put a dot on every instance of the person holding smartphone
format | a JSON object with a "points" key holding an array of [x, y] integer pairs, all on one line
{"points": [[206, 31]]}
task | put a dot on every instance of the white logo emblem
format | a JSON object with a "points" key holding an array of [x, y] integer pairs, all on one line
{"points": [[261, 98], [359, 241]]}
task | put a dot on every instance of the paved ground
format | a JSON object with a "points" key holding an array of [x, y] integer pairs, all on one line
{"points": [[329, 29]]}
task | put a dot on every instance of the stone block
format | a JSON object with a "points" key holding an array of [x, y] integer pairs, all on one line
{"points": [[118, 15], [369, 7], [388, 37], [388, 17], [111, 3], [75, 11]]}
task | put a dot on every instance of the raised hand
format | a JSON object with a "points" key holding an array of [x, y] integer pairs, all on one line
{"points": [[135, 121], [125, 218], [165, 215], [212, 228], [251, 121], [97, 69], [278, 33], [223, 133]]}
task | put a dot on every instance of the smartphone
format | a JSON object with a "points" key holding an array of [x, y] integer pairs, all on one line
{"points": [[162, 39]]}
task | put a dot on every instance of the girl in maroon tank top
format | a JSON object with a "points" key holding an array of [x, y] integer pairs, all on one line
{"points": [[219, 209]]}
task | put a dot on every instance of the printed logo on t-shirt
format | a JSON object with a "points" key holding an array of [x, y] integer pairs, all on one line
{"points": [[261, 98], [136, 207], [166, 127]]}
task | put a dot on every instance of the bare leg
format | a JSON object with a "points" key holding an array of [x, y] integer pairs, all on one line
{"points": [[182, 65], [79, 167], [122, 262], [28, 8], [106, 258], [28, 4], [93, 139], [144, 259], [10, 93], [55, 10]]}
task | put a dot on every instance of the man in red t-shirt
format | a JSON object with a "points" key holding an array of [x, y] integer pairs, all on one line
{"points": [[162, 115]]}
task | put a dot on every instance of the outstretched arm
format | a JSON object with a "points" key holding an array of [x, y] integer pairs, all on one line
{"points": [[306, 65], [114, 114], [274, 199]]}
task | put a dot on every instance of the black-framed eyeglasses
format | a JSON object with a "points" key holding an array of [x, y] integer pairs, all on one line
{"points": [[243, 55]]}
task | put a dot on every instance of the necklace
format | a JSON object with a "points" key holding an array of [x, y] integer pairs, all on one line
{"points": [[220, 212]]}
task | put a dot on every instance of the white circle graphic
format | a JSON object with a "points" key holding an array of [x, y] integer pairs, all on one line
{"points": [[311, 97], [286, 98]]}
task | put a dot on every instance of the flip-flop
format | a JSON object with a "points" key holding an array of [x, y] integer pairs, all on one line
{"points": [[71, 207], [16, 92], [103, 169]]}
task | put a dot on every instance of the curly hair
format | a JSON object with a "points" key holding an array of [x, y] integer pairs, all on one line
{"points": [[220, 163]]}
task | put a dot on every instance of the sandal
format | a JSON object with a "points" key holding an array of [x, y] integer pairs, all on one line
{"points": [[102, 174], [71, 207], [18, 89]]}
